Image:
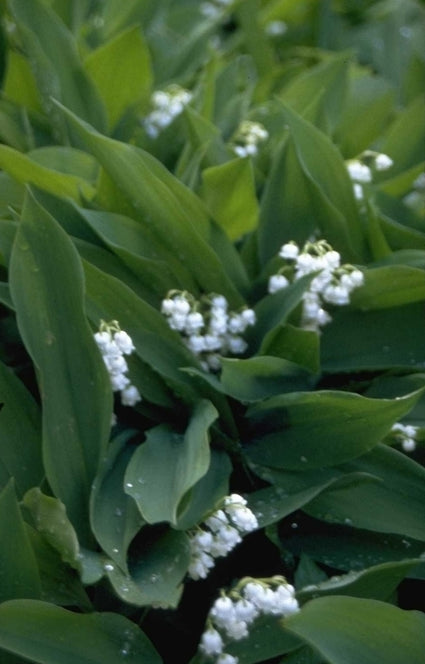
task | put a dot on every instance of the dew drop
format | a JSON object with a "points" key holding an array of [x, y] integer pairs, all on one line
{"points": [[108, 567], [118, 511], [128, 485], [303, 459]]}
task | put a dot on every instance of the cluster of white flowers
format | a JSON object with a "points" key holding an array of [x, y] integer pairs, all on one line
{"points": [[332, 284], [114, 343], [215, 8], [231, 615], [207, 327], [405, 434], [361, 173], [248, 137], [219, 534], [167, 104]]}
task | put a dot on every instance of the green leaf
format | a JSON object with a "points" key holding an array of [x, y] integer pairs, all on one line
{"points": [[27, 171], [157, 565], [207, 491], [55, 61], [161, 203], [405, 137], [48, 634], [286, 212], [157, 269], [18, 568], [306, 427], [273, 503], [273, 310], [229, 192], [390, 287], [330, 187], [377, 582], [20, 432], [114, 516], [168, 464], [67, 160], [367, 110], [47, 288], [328, 79], [257, 378], [373, 340], [394, 504], [125, 60], [293, 344], [59, 582], [50, 520], [340, 629]]}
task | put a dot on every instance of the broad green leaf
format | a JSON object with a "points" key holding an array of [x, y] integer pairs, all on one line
{"points": [[67, 160], [104, 261], [330, 187], [367, 110], [229, 192], [73, 14], [255, 40], [162, 203], [48, 634], [27, 171], [207, 492], [20, 432], [345, 548], [50, 519], [340, 629], [158, 564], [19, 83], [136, 247], [12, 128], [168, 464], [390, 287], [125, 60], [377, 582], [11, 194], [400, 236], [285, 212], [308, 573], [303, 430], [203, 139], [329, 79], [394, 504], [55, 61], [115, 518], [19, 575], [273, 503], [274, 310], [405, 138], [257, 378], [293, 344], [372, 340], [47, 287], [59, 582]]}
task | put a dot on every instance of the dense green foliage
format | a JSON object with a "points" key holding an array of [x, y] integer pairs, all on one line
{"points": [[107, 209]]}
